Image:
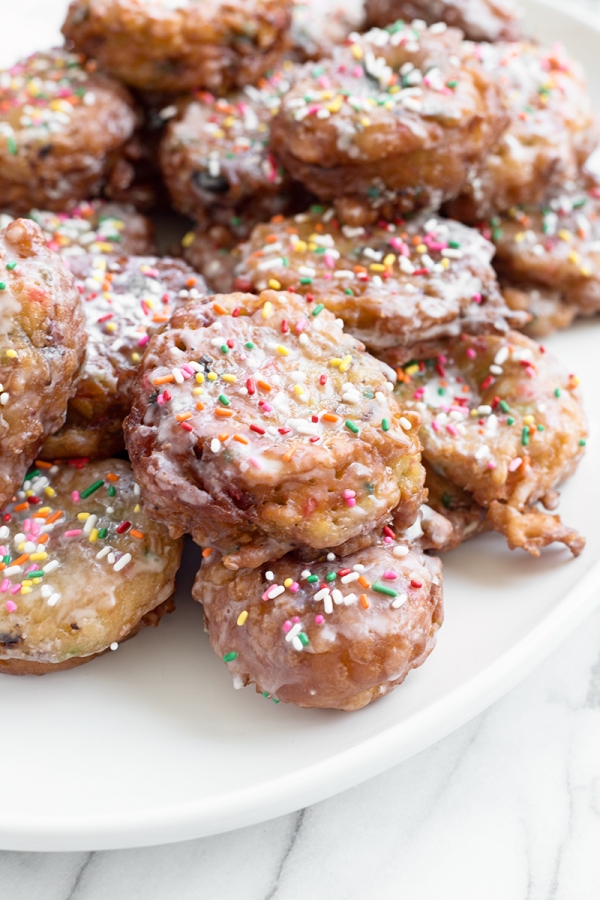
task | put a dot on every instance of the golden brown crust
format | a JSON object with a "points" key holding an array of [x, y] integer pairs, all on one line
{"points": [[125, 300], [159, 46], [259, 425], [394, 285], [503, 422], [336, 644], [426, 129], [82, 565], [551, 133], [465, 517], [31, 667], [548, 311], [65, 149], [42, 347], [479, 20]]}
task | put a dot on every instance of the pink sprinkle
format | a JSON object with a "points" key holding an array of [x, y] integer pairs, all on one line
{"points": [[265, 596], [319, 619], [35, 529], [491, 464], [390, 575], [476, 298], [31, 568], [160, 400], [27, 526], [295, 587], [255, 462], [358, 71], [388, 540], [301, 326], [514, 464], [74, 532], [266, 407], [295, 619], [5, 585], [351, 501], [327, 276], [75, 497], [471, 353], [348, 493], [329, 261], [451, 429], [15, 589], [187, 368], [3, 550], [143, 340], [287, 626], [435, 425], [10, 605], [313, 110]]}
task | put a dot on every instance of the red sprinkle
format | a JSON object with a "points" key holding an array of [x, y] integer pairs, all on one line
{"points": [[186, 426], [487, 382], [251, 386], [123, 527], [388, 532], [257, 429], [416, 584]]}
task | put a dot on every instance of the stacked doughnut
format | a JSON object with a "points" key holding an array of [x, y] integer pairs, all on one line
{"points": [[383, 208]]}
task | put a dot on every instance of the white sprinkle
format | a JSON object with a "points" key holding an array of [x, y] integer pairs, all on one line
{"points": [[89, 524], [4, 398], [53, 600], [350, 577], [275, 591], [501, 356], [405, 423], [137, 490], [12, 570], [177, 376], [400, 551], [324, 592], [303, 339], [111, 558], [215, 445], [4, 532], [349, 599], [297, 643], [269, 576], [114, 646], [399, 600], [358, 568], [124, 561], [305, 573], [294, 630], [496, 370], [338, 597], [330, 557], [327, 604], [52, 565]]}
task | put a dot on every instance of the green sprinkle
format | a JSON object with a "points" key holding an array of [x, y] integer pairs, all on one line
{"points": [[582, 442], [306, 281], [451, 84], [6, 559], [11, 265], [351, 426], [349, 292], [249, 345], [303, 638], [525, 436], [454, 244], [31, 475], [224, 400], [2, 285], [12, 145], [103, 533], [224, 348], [385, 424], [265, 694], [37, 573], [510, 421], [91, 489], [112, 491], [504, 406], [382, 589], [229, 657], [540, 428], [331, 576], [557, 392], [318, 308], [312, 579], [441, 391], [274, 699]]}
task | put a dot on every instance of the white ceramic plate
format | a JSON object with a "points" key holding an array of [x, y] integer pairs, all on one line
{"points": [[151, 744]]}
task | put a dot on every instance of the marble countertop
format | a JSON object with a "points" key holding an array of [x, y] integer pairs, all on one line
{"points": [[505, 808]]}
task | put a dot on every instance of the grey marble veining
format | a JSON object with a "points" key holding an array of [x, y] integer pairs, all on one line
{"points": [[506, 808]]}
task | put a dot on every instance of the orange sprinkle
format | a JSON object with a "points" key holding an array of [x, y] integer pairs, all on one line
{"points": [[181, 417], [264, 385], [2, 566], [21, 507], [55, 515], [164, 379], [240, 439], [417, 240], [271, 239], [111, 476], [219, 309], [207, 552], [223, 413], [329, 417], [223, 438], [199, 406], [360, 268], [288, 455], [190, 282], [21, 559], [42, 538], [318, 226], [277, 219], [466, 388], [136, 534], [363, 582], [41, 464], [364, 601], [160, 318], [40, 515]]}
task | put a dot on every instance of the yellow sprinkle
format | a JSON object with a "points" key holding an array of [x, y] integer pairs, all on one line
{"points": [[283, 351], [445, 263], [410, 370], [136, 508], [229, 121], [29, 493], [230, 379], [585, 271], [188, 239], [37, 556], [346, 363], [298, 389], [365, 121], [473, 413], [25, 589], [528, 420], [12, 354], [336, 361], [394, 89], [520, 236], [212, 376], [276, 286], [21, 546], [46, 509], [389, 260], [575, 381], [300, 247], [219, 133], [377, 267], [93, 535], [242, 617], [574, 257], [197, 391], [199, 377], [357, 51], [267, 309], [565, 235], [421, 248], [335, 105], [27, 582], [110, 326], [288, 582], [312, 246], [135, 357], [83, 516]]}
